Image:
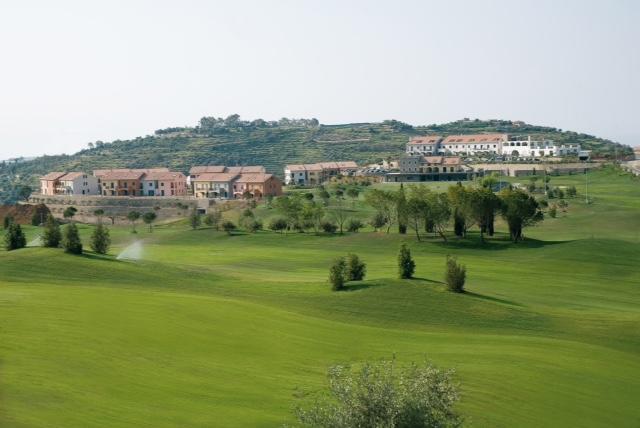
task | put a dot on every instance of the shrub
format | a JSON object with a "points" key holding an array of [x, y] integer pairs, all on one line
{"points": [[278, 224], [71, 239], [51, 236], [100, 239], [228, 226], [195, 219], [572, 192], [406, 265], [328, 226], [337, 274], [356, 268], [7, 221], [14, 238], [254, 225], [354, 225], [553, 211], [381, 394], [213, 219], [455, 275], [378, 221]]}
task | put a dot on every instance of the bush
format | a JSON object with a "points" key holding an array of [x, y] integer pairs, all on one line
{"points": [[572, 192], [51, 236], [213, 219], [356, 268], [337, 274], [328, 226], [254, 226], [100, 239], [14, 238], [406, 265], [553, 211], [378, 221], [278, 224], [195, 220], [71, 239], [455, 275], [354, 225], [381, 394], [228, 226], [6, 222]]}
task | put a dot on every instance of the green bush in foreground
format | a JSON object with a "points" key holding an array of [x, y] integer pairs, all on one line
{"points": [[356, 268], [228, 227], [455, 275], [381, 394], [51, 236], [406, 265], [100, 239], [14, 238], [337, 274], [71, 239]]}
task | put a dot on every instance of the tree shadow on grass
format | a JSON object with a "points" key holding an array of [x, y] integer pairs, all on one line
{"points": [[494, 244], [492, 299]]}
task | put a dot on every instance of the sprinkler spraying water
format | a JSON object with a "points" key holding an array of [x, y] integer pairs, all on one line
{"points": [[132, 252]]}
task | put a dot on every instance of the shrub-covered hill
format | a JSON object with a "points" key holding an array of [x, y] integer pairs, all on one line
{"points": [[232, 141]]}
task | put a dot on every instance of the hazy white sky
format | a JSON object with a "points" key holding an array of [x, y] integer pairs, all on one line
{"points": [[72, 72]]}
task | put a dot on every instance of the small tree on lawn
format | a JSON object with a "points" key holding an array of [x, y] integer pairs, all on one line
{"points": [[278, 224], [51, 236], [328, 226], [354, 225], [100, 239], [353, 193], [228, 227], [133, 217], [71, 239], [99, 213], [195, 219], [406, 265], [69, 213], [377, 221], [253, 226], [14, 238], [337, 274], [213, 219], [149, 218], [6, 222], [356, 268], [455, 275]]}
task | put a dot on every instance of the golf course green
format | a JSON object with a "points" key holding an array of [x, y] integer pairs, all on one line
{"points": [[206, 329]]}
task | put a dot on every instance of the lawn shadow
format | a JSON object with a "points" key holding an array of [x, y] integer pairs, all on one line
{"points": [[496, 244], [492, 299]]}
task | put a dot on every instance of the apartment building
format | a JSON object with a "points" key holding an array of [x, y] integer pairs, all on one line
{"points": [[141, 182], [317, 173], [69, 183], [429, 168]]}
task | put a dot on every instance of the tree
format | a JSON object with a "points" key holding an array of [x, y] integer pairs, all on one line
{"points": [[406, 265], [149, 218], [195, 219], [455, 275], [253, 226], [384, 202], [416, 208], [313, 213], [401, 209], [228, 226], [356, 269], [377, 221], [353, 193], [213, 219], [51, 236], [328, 226], [354, 225], [337, 273], [439, 212], [99, 213], [339, 213], [133, 217], [325, 196], [100, 239], [7, 221], [69, 213], [40, 214], [24, 192], [278, 224], [381, 394], [14, 237], [291, 207], [520, 210], [460, 200], [484, 205], [71, 239]]}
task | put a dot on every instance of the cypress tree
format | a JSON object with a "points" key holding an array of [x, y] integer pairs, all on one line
{"points": [[71, 239], [51, 236], [14, 237], [401, 207], [100, 239], [406, 265]]}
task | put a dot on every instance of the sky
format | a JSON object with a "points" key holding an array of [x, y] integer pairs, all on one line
{"points": [[74, 72]]}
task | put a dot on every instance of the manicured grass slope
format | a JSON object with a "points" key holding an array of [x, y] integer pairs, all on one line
{"points": [[217, 330]]}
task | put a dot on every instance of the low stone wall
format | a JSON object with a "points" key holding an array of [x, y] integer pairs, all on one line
{"points": [[116, 208]]}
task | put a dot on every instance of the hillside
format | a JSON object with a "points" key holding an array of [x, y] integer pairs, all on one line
{"points": [[232, 141]]}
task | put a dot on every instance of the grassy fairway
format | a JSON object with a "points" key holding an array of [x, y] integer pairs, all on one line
{"points": [[217, 330]]}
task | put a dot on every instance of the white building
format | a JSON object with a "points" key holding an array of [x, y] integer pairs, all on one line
{"points": [[316, 173], [424, 146], [473, 144], [77, 184]]}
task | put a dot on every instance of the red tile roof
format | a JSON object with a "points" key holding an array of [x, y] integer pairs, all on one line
{"points": [[254, 178], [71, 176], [475, 139], [216, 176], [205, 169], [52, 176], [168, 176], [427, 139]]}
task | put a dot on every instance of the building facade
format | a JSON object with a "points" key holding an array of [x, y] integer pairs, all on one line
{"points": [[70, 184], [314, 174], [429, 168]]}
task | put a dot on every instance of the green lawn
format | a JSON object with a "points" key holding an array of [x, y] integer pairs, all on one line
{"points": [[216, 330]]}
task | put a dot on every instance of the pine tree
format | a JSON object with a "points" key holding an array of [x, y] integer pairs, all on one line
{"points": [[71, 239], [406, 265], [100, 239], [51, 236], [14, 238], [455, 275]]}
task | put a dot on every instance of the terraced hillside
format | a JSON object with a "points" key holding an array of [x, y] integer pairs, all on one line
{"points": [[273, 144]]}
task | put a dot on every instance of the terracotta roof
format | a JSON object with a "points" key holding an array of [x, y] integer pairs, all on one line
{"points": [[313, 167], [203, 169], [71, 176], [162, 175], [52, 176], [437, 160], [216, 176], [297, 167], [254, 178], [427, 139], [122, 175], [347, 164], [475, 138], [257, 169], [328, 165], [452, 160], [101, 172]]}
